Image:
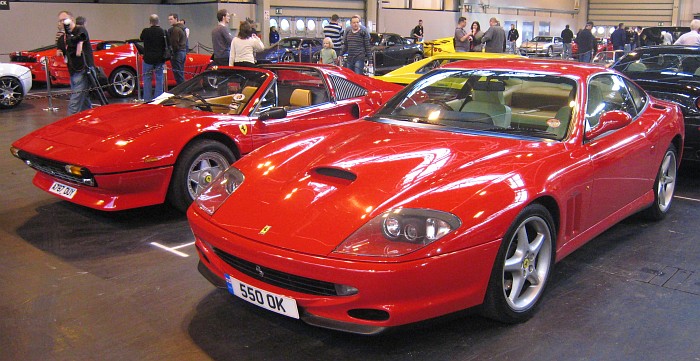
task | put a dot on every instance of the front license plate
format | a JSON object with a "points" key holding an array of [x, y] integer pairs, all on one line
{"points": [[63, 190], [261, 298]]}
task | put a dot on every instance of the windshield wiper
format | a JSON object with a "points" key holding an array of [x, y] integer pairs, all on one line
{"points": [[524, 131]]}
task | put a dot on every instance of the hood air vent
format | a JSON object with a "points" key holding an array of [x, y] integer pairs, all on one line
{"points": [[336, 173]]}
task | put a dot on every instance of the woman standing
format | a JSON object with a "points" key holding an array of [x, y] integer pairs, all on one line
{"points": [[244, 46], [476, 35]]}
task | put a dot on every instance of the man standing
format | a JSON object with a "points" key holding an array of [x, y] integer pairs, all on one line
{"points": [[566, 37], [417, 32], [494, 37], [619, 37], [154, 41], [178, 42], [692, 37], [586, 43], [334, 31], [74, 44], [513, 36], [221, 38], [462, 38], [356, 45]]}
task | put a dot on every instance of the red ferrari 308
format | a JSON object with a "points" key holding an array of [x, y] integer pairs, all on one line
{"points": [[462, 190], [124, 156]]}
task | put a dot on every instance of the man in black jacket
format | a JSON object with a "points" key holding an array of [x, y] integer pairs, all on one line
{"points": [[586, 43], [513, 36], [74, 44], [566, 37], [178, 42], [154, 40]]}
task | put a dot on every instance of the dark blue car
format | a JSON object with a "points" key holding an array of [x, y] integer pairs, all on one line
{"points": [[293, 49]]}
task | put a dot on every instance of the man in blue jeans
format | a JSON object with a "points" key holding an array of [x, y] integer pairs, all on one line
{"points": [[74, 44], [154, 41], [178, 42], [356, 45]]}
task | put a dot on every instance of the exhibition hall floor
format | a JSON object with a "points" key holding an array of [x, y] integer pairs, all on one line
{"points": [[80, 284]]}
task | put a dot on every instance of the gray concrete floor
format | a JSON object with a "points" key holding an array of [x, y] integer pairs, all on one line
{"points": [[77, 284]]}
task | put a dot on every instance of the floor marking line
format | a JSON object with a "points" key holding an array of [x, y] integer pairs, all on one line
{"points": [[170, 249], [182, 245], [688, 199]]}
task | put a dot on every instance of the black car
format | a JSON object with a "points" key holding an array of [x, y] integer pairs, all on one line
{"points": [[653, 35], [392, 51], [670, 73]]}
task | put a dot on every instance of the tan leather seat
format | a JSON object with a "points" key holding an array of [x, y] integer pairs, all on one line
{"points": [[300, 98], [487, 98], [249, 91], [636, 67]]}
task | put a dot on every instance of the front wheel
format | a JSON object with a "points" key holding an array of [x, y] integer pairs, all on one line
{"points": [[550, 52], [11, 92], [200, 162], [122, 83], [288, 58], [664, 186], [416, 57], [522, 267]]}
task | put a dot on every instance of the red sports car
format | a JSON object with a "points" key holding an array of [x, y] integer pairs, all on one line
{"points": [[118, 60], [33, 59], [124, 156], [463, 190], [602, 45]]}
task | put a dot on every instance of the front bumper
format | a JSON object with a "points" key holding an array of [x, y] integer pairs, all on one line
{"points": [[116, 192], [405, 292]]}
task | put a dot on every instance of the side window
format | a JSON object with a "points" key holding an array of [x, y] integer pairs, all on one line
{"points": [[269, 100], [300, 88], [638, 96], [605, 93]]}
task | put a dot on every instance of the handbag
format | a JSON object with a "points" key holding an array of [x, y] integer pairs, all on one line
{"points": [[168, 51]]}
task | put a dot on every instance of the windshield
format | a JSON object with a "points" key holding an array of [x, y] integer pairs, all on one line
{"points": [[511, 102], [660, 65], [288, 43], [225, 91], [543, 39]]}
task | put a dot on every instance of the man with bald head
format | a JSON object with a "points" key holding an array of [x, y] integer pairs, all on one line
{"points": [[154, 40]]}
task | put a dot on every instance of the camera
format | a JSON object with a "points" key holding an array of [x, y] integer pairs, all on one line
{"points": [[66, 25]]}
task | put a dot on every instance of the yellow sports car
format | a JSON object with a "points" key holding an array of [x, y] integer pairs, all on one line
{"points": [[408, 73], [438, 46]]}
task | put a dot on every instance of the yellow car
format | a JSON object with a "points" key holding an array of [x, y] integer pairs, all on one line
{"points": [[438, 46], [408, 73]]}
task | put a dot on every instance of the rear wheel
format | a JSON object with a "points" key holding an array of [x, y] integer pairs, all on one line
{"points": [[122, 83], [522, 267], [200, 162], [11, 92], [550, 52], [664, 186], [416, 57]]}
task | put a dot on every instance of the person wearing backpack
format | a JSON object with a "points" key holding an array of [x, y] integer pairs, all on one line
{"points": [[356, 45]]}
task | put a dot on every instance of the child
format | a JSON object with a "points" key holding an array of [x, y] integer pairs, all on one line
{"points": [[328, 55]]}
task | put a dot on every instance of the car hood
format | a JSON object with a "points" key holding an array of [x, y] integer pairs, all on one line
{"points": [[311, 191], [84, 138]]}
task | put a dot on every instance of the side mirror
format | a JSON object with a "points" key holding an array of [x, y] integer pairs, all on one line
{"points": [[373, 98], [274, 113], [612, 120]]}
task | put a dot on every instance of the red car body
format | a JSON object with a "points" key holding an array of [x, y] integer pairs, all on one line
{"points": [[124, 155], [33, 59], [602, 45], [118, 60], [314, 223]]}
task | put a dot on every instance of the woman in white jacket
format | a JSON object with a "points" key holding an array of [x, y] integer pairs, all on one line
{"points": [[244, 46]]}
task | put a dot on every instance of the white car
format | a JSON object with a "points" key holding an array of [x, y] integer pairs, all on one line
{"points": [[15, 83]]}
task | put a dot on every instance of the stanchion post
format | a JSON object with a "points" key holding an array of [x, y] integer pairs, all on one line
{"points": [[51, 108], [139, 96]]}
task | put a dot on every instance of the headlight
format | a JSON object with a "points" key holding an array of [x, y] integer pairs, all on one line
{"points": [[220, 188], [398, 232]]}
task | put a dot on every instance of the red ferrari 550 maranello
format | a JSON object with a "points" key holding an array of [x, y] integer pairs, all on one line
{"points": [[123, 156], [463, 190]]}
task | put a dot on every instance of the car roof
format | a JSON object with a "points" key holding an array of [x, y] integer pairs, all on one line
{"points": [[666, 49], [552, 67]]}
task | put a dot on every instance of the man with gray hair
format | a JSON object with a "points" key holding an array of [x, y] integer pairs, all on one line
{"points": [[154, 41], [494, 37], [692, 37]]}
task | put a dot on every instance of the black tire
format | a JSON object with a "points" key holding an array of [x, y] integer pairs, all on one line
{"points": [[664, 186], [531, 263], [198, 164], [288, 58], [11, 92], [416, 57], [550, 52], [122, 82]]}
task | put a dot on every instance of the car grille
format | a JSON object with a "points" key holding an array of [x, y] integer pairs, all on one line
{"points": [[277, 278], [55, 169], [345, 89]]}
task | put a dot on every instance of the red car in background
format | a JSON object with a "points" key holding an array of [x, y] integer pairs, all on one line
{"points": [[33, 59], [603, 45], [118, 60], [122, 156]]}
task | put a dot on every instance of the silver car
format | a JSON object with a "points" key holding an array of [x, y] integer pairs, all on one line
{"points": [[542, 45]]}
